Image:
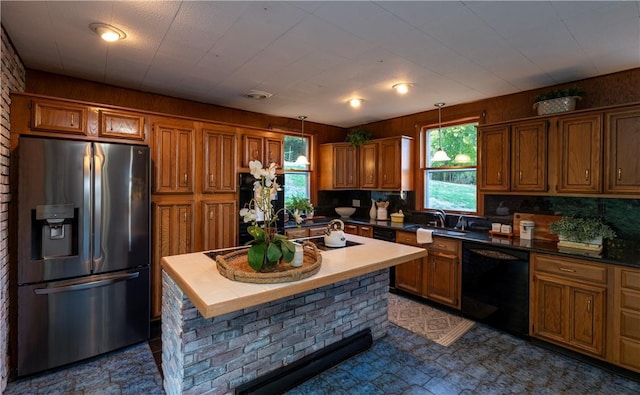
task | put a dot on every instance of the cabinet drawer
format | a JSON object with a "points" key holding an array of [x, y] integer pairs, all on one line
{"points": [[406, 238], [570, 268], [630, 325], [630, 300], [630, 279], [296, 233], [445, 245], [121, 125], [59, 117]]}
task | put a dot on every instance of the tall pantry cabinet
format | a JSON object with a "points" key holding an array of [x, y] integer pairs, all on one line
{"points": [[194, 191]]}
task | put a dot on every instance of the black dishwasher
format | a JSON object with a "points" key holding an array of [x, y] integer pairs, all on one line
{"points": [[387, 235], [495, 286]]}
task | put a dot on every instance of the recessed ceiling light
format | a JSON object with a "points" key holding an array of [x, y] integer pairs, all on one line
{"points": [[107, 32], [355, 102], [402, 88], [258, 95]]}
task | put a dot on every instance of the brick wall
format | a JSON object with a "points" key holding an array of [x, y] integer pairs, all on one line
{"points": [[216, 355], [13, 79]]}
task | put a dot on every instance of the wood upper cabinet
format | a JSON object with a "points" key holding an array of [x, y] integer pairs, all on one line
{"points": [[219, 157], [493, 158], [408, 275], [442, 277], [394, 163], [172, 234], [568, 299], [173, 157], [339, 166], [626, 318], [580, 157], [122, 125], [529, 156], [265, 149], [54, 116], [219, 224], [622, 145], [368, 165]]}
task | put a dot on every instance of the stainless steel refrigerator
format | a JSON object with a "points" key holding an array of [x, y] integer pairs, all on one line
{"points": [[83, 250]]}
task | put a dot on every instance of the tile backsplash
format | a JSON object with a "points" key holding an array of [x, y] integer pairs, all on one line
{"points": [[623, 215]]}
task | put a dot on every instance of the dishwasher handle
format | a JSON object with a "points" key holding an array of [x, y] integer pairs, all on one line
{"points": [[86, 285], [494, 254]]}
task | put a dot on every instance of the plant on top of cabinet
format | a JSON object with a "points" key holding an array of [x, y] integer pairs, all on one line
{"points": [[560, 100], [358, 136]]}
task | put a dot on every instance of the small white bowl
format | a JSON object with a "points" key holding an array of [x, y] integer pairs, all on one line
{"points": [[345, 212]]}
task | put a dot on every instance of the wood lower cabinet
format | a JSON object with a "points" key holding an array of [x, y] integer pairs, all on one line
{"points": [[219, 224], [351, 229], [315, 231], [172, 155], [626, 318], [568, 300], [408, 275], [296, 233], [219, 161], [580, 153], [365, 231], [622, 145], [173, 228], [442, 272]]}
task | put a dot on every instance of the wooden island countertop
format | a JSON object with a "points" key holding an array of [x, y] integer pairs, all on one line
{"points": [[213, 295]]}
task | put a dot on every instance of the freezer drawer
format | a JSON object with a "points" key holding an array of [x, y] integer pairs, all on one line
{"points": [[67, 321]]}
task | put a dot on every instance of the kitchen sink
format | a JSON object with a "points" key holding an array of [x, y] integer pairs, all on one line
{"points": [[436, 231]]}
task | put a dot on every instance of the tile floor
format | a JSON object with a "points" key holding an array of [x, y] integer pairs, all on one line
{"points": [[483, 361]]}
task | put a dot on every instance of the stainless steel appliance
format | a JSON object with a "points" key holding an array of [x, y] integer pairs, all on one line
{"points": [[245, 195], [495, 286], [83, 250]]}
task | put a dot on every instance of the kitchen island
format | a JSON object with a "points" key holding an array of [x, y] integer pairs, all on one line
{"points": [[218, 334]]}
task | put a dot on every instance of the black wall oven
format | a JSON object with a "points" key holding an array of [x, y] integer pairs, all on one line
{"points": [[495, 286], [246, 194]]}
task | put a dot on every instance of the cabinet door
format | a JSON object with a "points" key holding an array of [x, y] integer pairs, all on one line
{"points": [[172, 234], [409, 276], [54, 116], [368, 165], [122, 125], [219, 154], [252, 149], [389, 162], [351, 229], [626, 318], [529, 156], [586, 323], [493, 158], [580, 162], [365, 231], [345, 165], [274, 149], [220, 224], [173, 159], [622, 145], [442, 278], [548, 306]]}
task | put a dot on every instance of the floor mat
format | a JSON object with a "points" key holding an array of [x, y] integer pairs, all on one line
{"points": [[434, 324], [131, 370]]}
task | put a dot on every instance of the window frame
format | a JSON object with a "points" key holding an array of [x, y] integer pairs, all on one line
{"points": [[424, 168], [309, 171]]}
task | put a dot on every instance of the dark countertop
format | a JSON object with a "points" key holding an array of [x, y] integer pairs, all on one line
{"points": [[618, 252]]}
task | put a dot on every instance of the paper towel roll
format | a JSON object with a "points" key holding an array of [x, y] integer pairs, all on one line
{"points": [[424, 236]]}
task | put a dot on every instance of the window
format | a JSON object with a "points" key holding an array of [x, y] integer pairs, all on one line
{"points": [[451, 184], [296, 176]]}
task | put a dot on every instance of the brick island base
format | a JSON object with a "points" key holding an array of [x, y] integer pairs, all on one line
{"points": [[216, 355]]}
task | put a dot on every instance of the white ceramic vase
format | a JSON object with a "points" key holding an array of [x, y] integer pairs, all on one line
{"points": [[372, 212]]}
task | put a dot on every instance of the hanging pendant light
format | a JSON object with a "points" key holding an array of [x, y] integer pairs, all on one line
{"points": [[302, 160], [440, 155]]}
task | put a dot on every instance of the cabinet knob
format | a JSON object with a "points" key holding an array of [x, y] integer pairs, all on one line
{"points": [[211, 215], [520, 176], [72, 120], [619, 173], [499, 177], [186, 178], [589, 306], [586, 175], [211, 179], [564, 269]]}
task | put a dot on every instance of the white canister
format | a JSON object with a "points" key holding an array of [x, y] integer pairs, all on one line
{"points": [[298, 256], [526, 229], [382, 214], [496, 226]]}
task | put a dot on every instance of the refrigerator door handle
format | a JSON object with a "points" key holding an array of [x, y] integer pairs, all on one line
{"points": [[98, 163], [86, 285], [86, 207]]}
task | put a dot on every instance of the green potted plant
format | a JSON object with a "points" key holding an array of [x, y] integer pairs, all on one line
{"points": [[358, 136], [559, 100], [581, 232], [299, 206]]}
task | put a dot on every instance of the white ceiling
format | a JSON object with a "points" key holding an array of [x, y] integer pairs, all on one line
{"points": [[313, 56]]}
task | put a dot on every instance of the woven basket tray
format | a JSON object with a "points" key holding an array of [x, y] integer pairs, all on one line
{"points": [[235, 266]]}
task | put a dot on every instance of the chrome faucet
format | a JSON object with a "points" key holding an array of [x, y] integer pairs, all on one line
{"points": [[441, 216], [461, 222]]}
